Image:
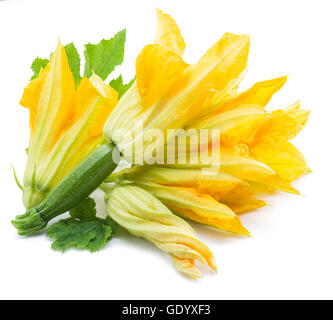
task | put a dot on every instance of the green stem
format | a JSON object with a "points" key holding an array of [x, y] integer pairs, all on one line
{"points": [[70, 191]]}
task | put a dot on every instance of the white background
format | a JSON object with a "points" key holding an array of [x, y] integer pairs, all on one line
{"points": [[290, 255]]}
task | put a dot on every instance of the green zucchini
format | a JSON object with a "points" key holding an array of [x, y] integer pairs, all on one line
{"points": [[69, 192]]}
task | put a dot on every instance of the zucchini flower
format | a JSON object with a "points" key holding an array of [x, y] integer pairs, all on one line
{"points": [[255, 144], [65, 124], [253, 154], [169, 93], [255, 157], [189, 193], [143, 215]]}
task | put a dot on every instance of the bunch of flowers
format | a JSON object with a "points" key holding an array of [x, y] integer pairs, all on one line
{"points": [[230, 150]]}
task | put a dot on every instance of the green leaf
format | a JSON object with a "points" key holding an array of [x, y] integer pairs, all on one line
{"points": [[86, 210], [119, 85], [37, 65], [74, 62], [103, 234], [103, 57], [71, 233], [83, 230], [113, 224]]}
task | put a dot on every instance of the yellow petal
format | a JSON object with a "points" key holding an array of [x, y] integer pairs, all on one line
{"points": [[212, 184], [273, 184], [99, 112], [168, 33], [184, 251], [259, 94], [244, 168], [47, 97], [92, 103], [186, 266], [228, 92], [240, 203], [157, 67], [31, 96], [196, 206], [236, 126], [220, 66], [253, 171], [282, 157], [241, 166], [284, 123], [298, 115]]}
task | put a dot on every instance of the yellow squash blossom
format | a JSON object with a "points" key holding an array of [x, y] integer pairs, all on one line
{"points": [[169, 93], [189, 193], [144, 216], [271, 144], [263, 161], [255, 155], [65, 124], [257, 139]]}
